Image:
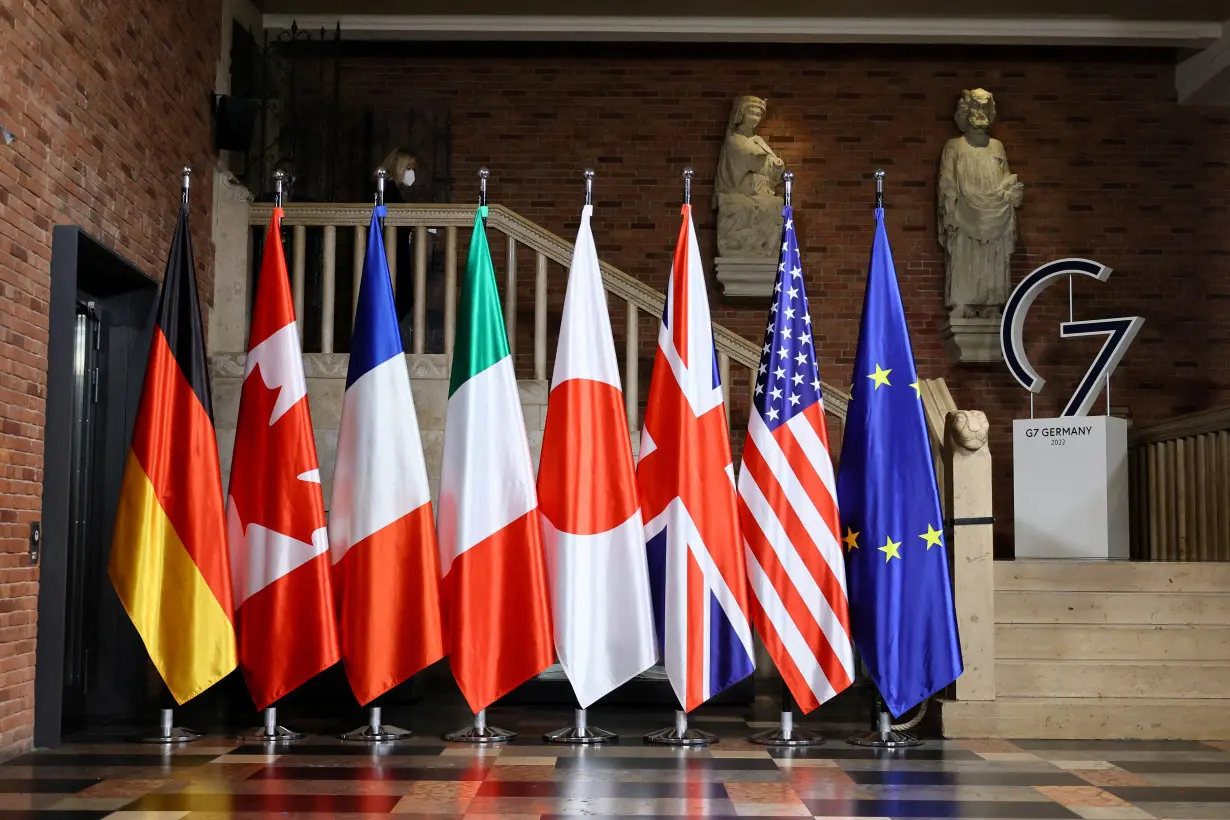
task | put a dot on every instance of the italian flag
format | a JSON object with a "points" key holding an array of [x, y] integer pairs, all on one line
{"points": [[494, 593]]}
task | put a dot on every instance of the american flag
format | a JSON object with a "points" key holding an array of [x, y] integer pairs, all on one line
{"points": [[787, 503]]}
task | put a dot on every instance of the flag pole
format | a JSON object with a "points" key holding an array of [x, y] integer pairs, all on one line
{"points": [[374, 731], [786, 734], [479, 731], [883, 734], [580, 732], [681, 734], [270, 731], [168, 732]]}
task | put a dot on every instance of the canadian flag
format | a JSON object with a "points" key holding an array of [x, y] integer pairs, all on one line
{"points": [[275, 512]]}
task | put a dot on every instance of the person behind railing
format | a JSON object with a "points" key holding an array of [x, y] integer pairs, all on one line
{"points": [[401, 165]]}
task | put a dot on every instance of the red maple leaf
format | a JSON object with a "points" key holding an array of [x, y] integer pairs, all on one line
{"points": [[269, 458]]}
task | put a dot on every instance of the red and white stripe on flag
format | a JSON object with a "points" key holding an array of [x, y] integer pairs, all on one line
{"points": [[788, 503]]}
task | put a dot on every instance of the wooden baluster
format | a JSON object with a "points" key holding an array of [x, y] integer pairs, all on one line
{"points": [[1178, 500], [418, 338], [1166, 487], [390, 253], [1155, 506], [724, 378], [1191, 494], [1214, 498], [329, 285], [298, 262], [632, 367], [510, 299], [1173, 500], [1144, 503], [360, 252], [1200, 520], [540, 317], [450, 287], [1223, 447]]}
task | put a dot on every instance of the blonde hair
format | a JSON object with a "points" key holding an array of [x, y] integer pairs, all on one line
{"points": [[398, 162]]}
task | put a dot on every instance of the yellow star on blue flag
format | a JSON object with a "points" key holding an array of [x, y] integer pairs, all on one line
{"points": [[901, 609]]}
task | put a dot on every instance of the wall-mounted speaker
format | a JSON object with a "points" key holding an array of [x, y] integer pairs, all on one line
{"points": [[234, 118]]}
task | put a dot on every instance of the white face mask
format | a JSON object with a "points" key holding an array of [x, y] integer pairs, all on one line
{"points": [[407, 178]]}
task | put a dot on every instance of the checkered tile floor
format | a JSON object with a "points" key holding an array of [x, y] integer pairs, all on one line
{"points": [[423, 776]]}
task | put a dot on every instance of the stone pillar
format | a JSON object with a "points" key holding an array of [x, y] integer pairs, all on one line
{"points": [[967, 479], [228, 318]]}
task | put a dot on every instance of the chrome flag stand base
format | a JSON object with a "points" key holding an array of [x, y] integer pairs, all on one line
{"points": [[580, 732], [787, 735], [480, 732], [169, 733], [271, 732], [680, 734], [884, 736], [374, 731]]}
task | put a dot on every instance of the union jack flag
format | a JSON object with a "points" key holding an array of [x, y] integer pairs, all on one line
{"points": [[686, 479], [787, 503]]}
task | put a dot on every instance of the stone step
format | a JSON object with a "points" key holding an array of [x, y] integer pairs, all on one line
{"points": [[1052, 607], [1111, 576], [1083, 718], [1148, 642], [1029, 678]]}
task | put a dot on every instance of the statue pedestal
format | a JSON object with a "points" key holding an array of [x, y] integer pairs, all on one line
{"points": [[743, 276], [972, 341]]}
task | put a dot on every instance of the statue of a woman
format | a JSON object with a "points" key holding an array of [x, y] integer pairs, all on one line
{"points": [[978, 197], [745, 187]]}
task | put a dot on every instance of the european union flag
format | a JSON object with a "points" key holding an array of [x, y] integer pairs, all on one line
{"points": [[901, 608]]}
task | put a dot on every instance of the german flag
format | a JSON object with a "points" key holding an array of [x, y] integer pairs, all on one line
{"points": [[169, 559]]}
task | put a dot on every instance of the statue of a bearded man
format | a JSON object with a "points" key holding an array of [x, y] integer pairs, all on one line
{"points": [[978, 197]]}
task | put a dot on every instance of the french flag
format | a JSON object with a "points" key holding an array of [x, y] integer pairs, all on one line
{"points": [[382, 537]]}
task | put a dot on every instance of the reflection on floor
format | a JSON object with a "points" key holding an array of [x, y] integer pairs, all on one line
{"points": [[423, 776]]}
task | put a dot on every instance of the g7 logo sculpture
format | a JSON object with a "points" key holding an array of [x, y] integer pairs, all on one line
{"points": [[1119, 332]]}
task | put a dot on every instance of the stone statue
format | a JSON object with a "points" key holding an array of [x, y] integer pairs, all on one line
{"points": [[978, 197], [967, 429], [745, 196]]}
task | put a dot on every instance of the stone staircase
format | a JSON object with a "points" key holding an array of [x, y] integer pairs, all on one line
{"points": [[1106, 650]]}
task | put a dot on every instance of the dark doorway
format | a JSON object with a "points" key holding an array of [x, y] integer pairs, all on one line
{"points": [[91, 667]]}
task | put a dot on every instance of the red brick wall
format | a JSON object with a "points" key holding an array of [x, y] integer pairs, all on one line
{"points": [[1114, 169], [106, 101]]}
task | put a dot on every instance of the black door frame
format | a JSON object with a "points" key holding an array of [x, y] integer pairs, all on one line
{"points": [[84, 269]]}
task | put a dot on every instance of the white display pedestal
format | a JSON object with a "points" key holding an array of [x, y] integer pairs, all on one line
{"points": [[1070, 487]]}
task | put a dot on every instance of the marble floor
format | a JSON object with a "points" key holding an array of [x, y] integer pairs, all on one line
{"points": [[320, 776]]}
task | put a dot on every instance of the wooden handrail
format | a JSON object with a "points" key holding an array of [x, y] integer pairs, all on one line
{"points": [[1191, 424]]}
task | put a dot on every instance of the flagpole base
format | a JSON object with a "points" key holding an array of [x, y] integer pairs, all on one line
{"points": [[480, 732], [786, 735], [270, 732], [580, 733], [280, 734], [376, 732], [177, 734], [884, 736], [168, 733], [681, 734]]}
